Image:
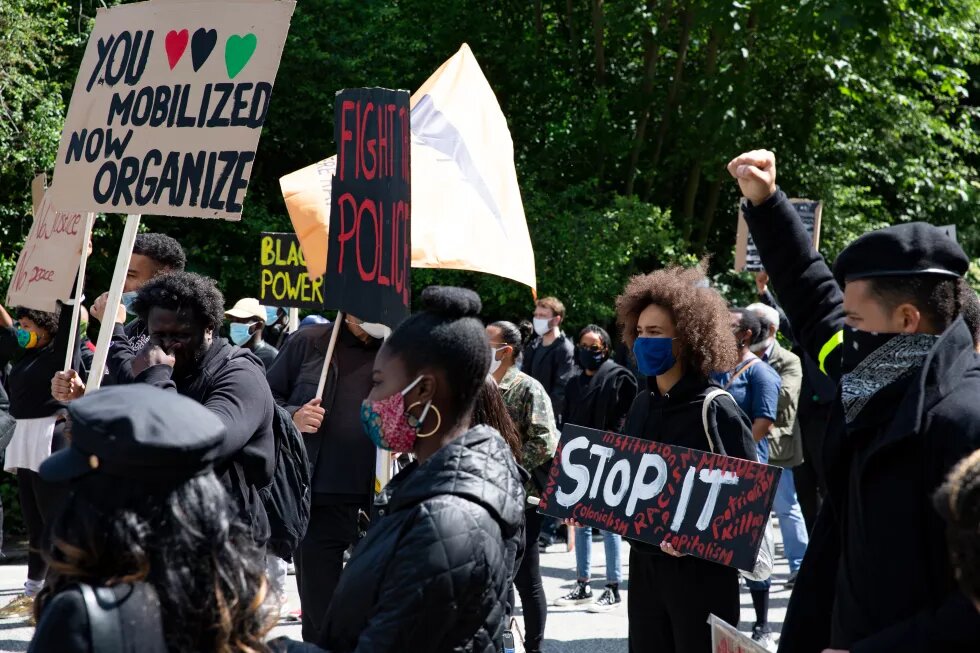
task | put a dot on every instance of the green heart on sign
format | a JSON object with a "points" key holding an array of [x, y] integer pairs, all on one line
{"points": [[238, 50]]}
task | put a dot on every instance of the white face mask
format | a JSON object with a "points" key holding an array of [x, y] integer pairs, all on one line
{"points": [[375, 330], [542, 325], [494, 363]]}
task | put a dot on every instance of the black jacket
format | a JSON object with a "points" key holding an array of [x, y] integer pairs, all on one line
{"points": [[29, 380], [602, 400], [876, 575], [341, 456], [64, 625], [675, 418], [553, 368], [433, 571], [126, 342], [231, 383]]}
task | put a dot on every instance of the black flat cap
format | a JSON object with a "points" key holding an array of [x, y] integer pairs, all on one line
{"points": [[137, 432], [905, 250]]}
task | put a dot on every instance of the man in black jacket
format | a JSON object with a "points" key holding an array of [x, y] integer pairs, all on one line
{"points": [[183, 312], [341, 456], [153, 255], [550, 358], [876, 576]]}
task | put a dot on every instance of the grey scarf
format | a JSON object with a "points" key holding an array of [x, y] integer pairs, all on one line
{"points": [[896, 359]]}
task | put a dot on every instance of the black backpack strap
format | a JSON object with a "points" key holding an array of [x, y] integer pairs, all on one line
{"points": [[105, 625]]}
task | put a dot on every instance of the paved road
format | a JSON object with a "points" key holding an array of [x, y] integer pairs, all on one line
{"points": [[569, 629]]}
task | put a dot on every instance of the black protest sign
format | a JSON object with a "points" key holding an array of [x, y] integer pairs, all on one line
{"points": [[369, 254], [747, 254], [168, 106], [706, 505], [285, 281]]}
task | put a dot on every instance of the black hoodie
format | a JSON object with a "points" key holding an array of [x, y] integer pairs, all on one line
{"points": [[230, 381], [433, 571]]}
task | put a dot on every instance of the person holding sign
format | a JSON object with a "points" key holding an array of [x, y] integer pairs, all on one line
{"points": [[680, 333], [885, 323], [432, 573], [598, 398], [342, 460], [37, 344]]}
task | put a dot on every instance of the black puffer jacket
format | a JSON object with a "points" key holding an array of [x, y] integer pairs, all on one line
{"points": [[432, 572]]}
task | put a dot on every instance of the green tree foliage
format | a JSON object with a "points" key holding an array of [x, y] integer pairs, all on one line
{"points": [[623, 115]]}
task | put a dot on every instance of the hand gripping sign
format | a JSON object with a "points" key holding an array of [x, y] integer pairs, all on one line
{"points": [[706, 505]]}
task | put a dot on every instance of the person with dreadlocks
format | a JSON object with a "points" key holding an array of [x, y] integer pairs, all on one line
{"points": [[886, 324]]}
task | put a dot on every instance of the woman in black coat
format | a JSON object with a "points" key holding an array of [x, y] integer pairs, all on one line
{"points": [[680, 332], [433, 571]]}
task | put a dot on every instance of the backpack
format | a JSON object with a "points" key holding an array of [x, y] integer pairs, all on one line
{"points": [[287, 498]]}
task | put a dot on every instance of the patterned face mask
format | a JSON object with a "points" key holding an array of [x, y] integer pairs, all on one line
{"points": [[388, 424], [875, 360], [26, 339]]}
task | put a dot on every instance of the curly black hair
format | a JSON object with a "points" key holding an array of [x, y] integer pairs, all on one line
{"points": [[163, 249], [699, 313], [183, 291], [185, 539], [45, 320], [447, 333], [958, 501]]}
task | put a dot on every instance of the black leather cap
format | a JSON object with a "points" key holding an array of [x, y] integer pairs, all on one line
{"points": [[137, 432], [910, 249]]}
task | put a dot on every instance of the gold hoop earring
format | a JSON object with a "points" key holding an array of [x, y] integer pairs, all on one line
{"points": [[419, 420]]}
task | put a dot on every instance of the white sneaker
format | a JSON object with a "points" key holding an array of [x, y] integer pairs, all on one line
{"points": [[578, 596], [609, 600]]}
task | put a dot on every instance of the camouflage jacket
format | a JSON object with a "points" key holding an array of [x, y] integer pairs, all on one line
{"points": [[530, 408]]}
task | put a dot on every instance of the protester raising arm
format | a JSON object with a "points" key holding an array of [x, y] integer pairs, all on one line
{"points": [[804, 283]]}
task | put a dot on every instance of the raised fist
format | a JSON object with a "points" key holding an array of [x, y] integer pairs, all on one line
{"points": [[756, 174]]}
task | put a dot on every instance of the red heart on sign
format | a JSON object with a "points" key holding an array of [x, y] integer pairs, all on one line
{"points": [[176, 43]]}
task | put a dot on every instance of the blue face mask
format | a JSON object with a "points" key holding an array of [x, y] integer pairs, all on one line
{"points": [[127, 301], [271, 314], [240, 333], [654, 356]]}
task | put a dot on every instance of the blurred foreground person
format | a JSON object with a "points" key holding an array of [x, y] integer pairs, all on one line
{"points": [[148, 554], [958, 501]]}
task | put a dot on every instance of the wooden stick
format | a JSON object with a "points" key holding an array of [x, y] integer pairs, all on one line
{"points": [[338, 324], [112, 305], [293, 320], [76, 308]]}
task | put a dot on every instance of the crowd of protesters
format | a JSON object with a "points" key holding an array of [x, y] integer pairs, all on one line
{"points": [[154, 506]]}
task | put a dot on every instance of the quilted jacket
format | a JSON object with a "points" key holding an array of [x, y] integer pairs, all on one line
{"points": [[432, 573]]}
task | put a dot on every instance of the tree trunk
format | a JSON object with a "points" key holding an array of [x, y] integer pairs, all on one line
{"points": [[651, 56], [675, 85], [538, 19], [690, 196], [708, 216], [598, 36]]}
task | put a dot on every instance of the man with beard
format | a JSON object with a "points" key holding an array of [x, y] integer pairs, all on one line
{"points": [[182, 312], [885, 323]]}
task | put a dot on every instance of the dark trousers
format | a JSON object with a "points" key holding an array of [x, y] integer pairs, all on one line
{"points": [[670, 600], [813, 428], [38, 501], [529, 585], [320, 559]]}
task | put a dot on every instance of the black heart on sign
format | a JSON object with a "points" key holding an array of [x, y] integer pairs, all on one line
{"points": [[202, 43]]}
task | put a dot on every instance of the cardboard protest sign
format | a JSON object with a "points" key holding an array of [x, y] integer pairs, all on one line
{"points": [[462, 155], [747, 256], [168, 106], [726, 638], [369, 253], [48, 263], [284, 279], [706, 505]]}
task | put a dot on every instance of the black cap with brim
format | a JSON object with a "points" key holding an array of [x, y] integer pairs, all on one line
{"points": [[137, 432], [905, 250]]}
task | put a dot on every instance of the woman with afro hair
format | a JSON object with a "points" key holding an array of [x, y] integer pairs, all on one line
{"points": [[680, 333]]}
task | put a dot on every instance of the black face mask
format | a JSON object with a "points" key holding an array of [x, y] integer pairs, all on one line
{"points": [[859, 344], [590, 360]]}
